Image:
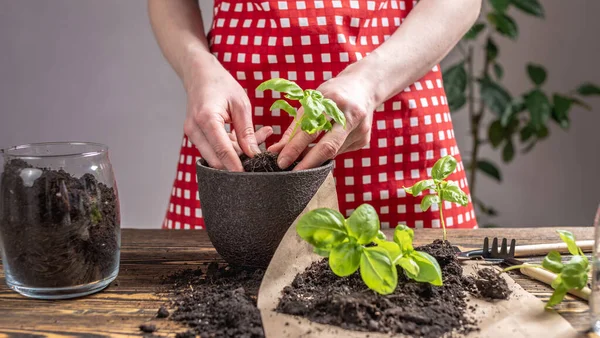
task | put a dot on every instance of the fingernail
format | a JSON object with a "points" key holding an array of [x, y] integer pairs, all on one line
{"points": [[283, 162]]}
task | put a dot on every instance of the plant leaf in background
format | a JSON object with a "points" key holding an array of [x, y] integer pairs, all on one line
{"points": [[537, 74], [504, 24], [494, 96], [456, 78], [588, 89], [489, 169], [531, 7], [474, 31]]}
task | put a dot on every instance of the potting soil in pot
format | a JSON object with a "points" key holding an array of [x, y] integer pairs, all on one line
{"points": [[220, 303], [58, 230], [415, 309]]}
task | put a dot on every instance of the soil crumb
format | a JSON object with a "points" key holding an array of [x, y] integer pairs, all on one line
{"points": [[489, 284], [415, 309], [220, 303]]}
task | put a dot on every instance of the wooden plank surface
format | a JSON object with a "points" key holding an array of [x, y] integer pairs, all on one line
{"points": [[147, 255]]}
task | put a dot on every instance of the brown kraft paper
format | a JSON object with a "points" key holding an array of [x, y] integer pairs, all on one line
{"points": [[522, 315]]}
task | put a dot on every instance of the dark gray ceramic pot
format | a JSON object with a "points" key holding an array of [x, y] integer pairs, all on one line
{"points": [[247, 214]]}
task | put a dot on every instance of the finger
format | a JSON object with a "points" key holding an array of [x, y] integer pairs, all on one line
{"points": [[263, 134], [326, 149], [199, 140], [276, 148], [221, 144], [236, 146], [285, 138], [294, 148], [241, 116]]}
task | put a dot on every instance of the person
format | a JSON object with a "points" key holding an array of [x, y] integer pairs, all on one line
{"points": [[378, 60]]}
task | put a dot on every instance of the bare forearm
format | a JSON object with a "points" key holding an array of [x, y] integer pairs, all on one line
{"points": [[427, 35], [179, 31]]}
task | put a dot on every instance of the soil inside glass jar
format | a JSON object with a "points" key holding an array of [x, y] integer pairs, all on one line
{"points": [[58, 230]]}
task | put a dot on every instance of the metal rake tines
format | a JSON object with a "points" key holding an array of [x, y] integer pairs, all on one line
{"points": [[504, 251]]}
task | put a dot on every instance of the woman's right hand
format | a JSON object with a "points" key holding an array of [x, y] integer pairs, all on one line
{"points": [[214, 98]]}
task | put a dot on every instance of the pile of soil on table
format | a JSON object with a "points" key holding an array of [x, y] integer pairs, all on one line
{"points": [[220, 303], [415, 309], [57, 230]]}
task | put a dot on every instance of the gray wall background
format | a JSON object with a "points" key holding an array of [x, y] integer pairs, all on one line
{"points": [[91, 70]]}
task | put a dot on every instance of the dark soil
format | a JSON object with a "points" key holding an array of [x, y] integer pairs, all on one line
{"points": [[263, 162], [148, 328], [416, 309], [220, 303], [162, 312], [58, 231], [489, 284]]}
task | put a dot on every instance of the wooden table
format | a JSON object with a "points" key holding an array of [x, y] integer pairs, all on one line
{"points": [[147, 255]]}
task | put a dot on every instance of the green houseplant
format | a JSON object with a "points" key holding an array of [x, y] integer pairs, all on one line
{"points": [[508, 122]]}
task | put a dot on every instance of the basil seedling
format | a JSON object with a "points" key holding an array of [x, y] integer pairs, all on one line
{"points": [[571, 275], [357, 243], [316, 107], [443, 190]]}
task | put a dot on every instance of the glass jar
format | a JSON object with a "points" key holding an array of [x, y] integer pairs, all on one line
{"points": [[59, 219]]}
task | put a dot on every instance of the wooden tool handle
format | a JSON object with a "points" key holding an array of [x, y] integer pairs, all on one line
{"points": [[548, 277], [543, 249]]}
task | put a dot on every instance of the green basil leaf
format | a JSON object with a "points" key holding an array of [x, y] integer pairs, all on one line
{"points": [[491, 49], [409, 265], [381, 236], [453, 193], [332, 110], [311, 107], [537, 74], [313, 125], [291, 89], [574, 273], [494, 96], [392, 248], [489, 169], [556, 282], [285, 106], [443, 168], [321, 252], [553, 262], [429, 269], [505, 25], [363, 224], [322, 228], [403, 236], [569, 239], [532, 7], [377, 270], [496, 133], [474, 31], [428, 200], [588, 89], [500, 5], [498, 71], [315, 94], [539, 108], [508, 153], [560, 110], [557, 296], [344, 259], [418, 187]]}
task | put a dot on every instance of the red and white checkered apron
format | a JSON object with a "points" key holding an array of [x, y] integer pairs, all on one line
{"points": [[309, 42]]}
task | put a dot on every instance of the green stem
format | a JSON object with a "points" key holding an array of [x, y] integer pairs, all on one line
{"points": [[441, 211], [294, 131], [514, 267]]}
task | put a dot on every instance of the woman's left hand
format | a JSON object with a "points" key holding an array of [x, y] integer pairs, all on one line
{"points": [[352, 96]]}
